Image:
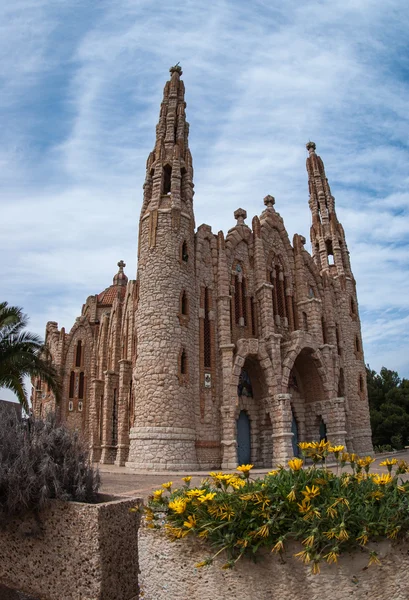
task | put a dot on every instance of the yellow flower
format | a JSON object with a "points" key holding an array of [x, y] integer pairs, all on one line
{"points": [[331, 512], [157, 494], [167, 485], [263, 531], [310, 492], [383, 479], [201, 564], [206, 497], [305, 445], [392, 534], [191, 522], [273, 472], [186, 479], [336, 449], [304, 555], [245, 469], [332, 557], [388, 462], [330, 534], [305, 506], [278, 546], [342, 534], [315, 569], [309, 541], [178, 505], [236, 482], [291, 496], [295, 464], [204, 533], [363, 538], [373, 559], [195, 493], [175, 533]]}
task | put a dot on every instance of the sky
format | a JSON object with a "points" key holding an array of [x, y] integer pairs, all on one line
{"points": [[80, 89]]}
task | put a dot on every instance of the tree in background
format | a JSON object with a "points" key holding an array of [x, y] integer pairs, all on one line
{"points": [[23, 354], [388, 396]]}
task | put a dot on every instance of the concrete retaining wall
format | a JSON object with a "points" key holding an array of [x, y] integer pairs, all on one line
{"points": [[167, 571], [81, 552]]}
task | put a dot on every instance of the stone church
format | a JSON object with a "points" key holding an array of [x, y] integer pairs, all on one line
{"points": [[226, 348]]}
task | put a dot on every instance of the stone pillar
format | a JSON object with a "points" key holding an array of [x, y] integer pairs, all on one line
{"points": [[125, 374], [107, 449], [336, 421], [228, 411], [95, 415], [282, 435]]}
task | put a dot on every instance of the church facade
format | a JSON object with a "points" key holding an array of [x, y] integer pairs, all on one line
{"points": [[227, 348]]}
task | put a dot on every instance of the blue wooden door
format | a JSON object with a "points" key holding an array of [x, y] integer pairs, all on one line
{"points": [[294, 431], [243, 439]]}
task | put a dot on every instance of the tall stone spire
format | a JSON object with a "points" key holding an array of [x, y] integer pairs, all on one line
{"points": [[169, 170], [164, 435], [329, 247]]}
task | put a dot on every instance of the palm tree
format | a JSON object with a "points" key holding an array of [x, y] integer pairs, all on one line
{"points": [[23, 354]]}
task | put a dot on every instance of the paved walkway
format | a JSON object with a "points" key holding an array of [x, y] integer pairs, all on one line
{"points": [[125, 482]]}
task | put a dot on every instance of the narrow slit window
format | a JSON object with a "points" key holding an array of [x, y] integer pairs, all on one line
{"points": [[167, 178], [253, 316], [244, 300], [357, 344], [78, 354], [305, 321], [324, 331], [72, 385], [184, 304], [81, 386], [183, 363], [361, 383], [207, 331], [185, 255]]}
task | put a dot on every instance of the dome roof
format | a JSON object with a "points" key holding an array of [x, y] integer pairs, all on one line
{"points": [[117, 289]]}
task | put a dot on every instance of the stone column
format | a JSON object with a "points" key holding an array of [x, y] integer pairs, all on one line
{"points": [[125, 374], [95, 415], [336, 421], [107, 449], [282, 435], [228, 411]]}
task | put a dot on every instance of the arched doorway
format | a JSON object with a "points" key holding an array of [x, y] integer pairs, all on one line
{"points": [[243, 438], [252, 393], [306, 387]]}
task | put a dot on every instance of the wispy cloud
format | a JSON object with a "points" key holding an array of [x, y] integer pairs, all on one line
{"points": [[81, 88]]}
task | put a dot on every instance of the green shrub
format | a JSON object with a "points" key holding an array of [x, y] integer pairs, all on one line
{"points": [[40, 461], [397, 441], [328, 513]]}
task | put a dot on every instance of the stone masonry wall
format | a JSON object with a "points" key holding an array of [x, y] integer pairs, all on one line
{"points": [[79, 552], [167, 570]]}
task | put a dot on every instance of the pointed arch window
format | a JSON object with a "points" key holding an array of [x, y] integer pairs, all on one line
{"points": [[240, 296], [72, 385], [81, 386], [78, 354], [282, 303]]}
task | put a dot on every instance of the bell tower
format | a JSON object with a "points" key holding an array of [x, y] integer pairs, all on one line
{"points": [[165, 373], [330, 253]]}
